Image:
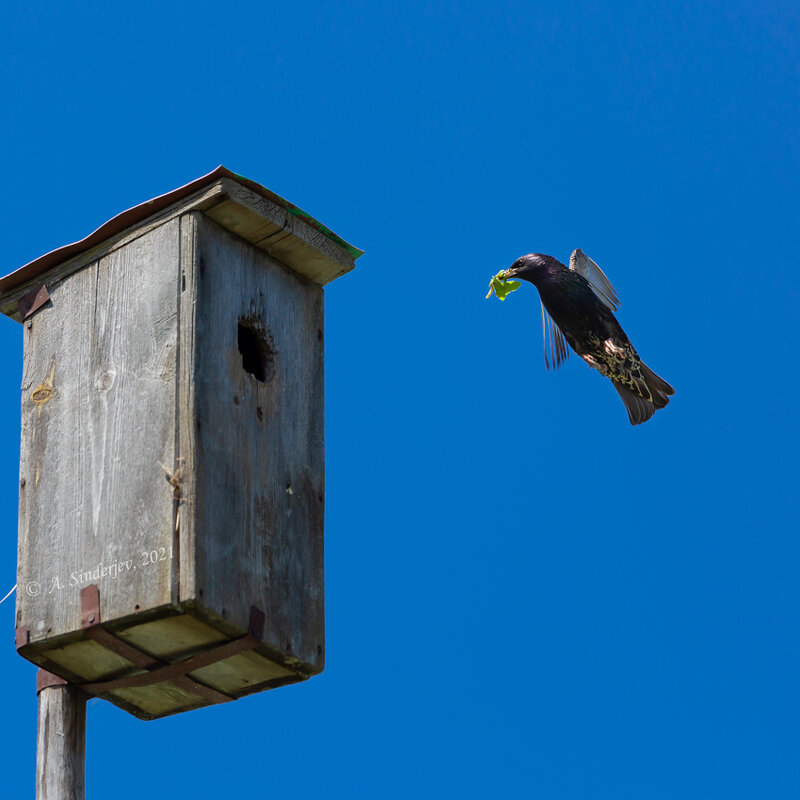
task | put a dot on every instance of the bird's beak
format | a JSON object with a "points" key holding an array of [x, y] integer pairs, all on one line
{"points": [[505, 274]]}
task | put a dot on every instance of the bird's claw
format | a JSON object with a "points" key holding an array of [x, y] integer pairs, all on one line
{"points": [[595, 364], [612, 349]]}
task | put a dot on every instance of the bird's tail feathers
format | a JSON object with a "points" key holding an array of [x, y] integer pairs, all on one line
{"points": [[659, 388], [639, 410], [649, 393]]}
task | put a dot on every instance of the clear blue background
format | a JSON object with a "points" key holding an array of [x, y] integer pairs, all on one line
{"points": [[526, 596]]}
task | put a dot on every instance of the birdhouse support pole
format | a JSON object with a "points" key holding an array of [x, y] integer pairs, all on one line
{"points": [[61, 740]]}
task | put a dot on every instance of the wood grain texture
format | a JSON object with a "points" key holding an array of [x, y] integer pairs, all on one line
{"points": [[157, 700], [98, 421], [283, 235], [259, 450], [185, 577], [61, 744]]}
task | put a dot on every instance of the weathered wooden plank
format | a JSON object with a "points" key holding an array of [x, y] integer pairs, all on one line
{"points": [[185, 578], [159, 699], [285, 236], [173, 637], [98, 423], [61, 744], [245, 223], [258, 510], [236, 674], [88, 660]]}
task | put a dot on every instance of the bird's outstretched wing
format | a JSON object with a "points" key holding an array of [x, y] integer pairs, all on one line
{"points": [[558, 347], [581, 263]]}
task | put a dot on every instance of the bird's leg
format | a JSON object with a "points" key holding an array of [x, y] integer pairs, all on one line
{"points": [[595, 364], [612, 349]]}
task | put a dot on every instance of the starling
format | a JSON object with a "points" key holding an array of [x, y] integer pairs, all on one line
{"points": [[578, 305]]}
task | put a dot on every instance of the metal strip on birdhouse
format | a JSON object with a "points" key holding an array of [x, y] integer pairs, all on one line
{"points": [[32, 302], [158, 670]]}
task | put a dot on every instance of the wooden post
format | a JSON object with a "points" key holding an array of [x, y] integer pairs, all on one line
{"points": [[60, 742]]}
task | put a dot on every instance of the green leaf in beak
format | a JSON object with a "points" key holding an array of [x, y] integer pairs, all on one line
{"points": [[501, 287]]}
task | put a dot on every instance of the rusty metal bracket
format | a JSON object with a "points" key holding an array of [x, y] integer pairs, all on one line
{"points": [[33, 301], [45, 679], [21, 637], [90, 622], [156, 669]]}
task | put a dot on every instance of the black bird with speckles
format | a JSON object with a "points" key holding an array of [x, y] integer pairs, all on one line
{"points": [[577, 305]]}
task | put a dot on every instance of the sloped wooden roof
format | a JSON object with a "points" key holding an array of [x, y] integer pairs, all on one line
{"points": [[242, 206]]}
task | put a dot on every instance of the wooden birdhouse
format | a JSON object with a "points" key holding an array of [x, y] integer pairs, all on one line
{"points": [[172, 461]]}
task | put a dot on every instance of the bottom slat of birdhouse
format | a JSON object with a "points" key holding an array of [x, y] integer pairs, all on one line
{"points": [[170, 639]]}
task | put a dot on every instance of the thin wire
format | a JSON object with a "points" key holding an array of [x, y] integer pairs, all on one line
{"points": [[8, 595]]}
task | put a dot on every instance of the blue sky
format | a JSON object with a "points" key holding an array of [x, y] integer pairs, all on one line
{"points": [[525, 595]]}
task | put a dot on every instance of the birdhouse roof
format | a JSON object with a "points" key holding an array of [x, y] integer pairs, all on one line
{"points": [[242, 206]]}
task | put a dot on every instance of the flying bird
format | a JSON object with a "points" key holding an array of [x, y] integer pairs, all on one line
{"points": [[578, 304]]}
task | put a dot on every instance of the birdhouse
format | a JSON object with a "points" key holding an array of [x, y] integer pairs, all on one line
{"points": [[172, 459]]}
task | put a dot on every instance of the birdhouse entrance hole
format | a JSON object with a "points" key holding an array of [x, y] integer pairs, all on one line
{"points": [[257, 350]]}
